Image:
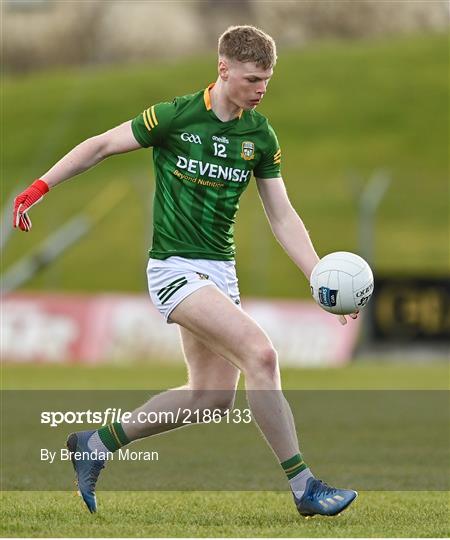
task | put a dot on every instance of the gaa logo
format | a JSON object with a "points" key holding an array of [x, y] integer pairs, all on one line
{"points": [[248, 150], [189, 137]]}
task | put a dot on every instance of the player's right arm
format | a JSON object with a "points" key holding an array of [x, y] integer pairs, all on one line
{"points": [[117, 140], [81, 158], [147, 129]]}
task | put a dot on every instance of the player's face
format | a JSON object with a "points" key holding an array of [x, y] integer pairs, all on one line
{"points": [[246, 82]]}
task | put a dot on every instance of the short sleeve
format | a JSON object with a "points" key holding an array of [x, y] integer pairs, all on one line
{"points": [[269, 166], [150, 127]]}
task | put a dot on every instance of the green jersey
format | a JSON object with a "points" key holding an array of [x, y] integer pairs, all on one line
{"points": [[202, 167]]}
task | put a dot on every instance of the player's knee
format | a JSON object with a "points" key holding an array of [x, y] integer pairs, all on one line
{"points": [[264, 362], [268, 361]]}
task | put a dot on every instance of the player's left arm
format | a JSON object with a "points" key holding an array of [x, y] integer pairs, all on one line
{"points": [[287, 226]]}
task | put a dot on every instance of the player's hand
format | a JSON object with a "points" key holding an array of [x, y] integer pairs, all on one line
{"points": [[343, 320], [27, 199]]}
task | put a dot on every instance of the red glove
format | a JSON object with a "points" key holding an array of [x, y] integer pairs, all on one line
{"points": [[23, 202]]}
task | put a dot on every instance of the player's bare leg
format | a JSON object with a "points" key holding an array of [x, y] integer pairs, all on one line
{"points": [[228, 331], [212, 382], [219, 340], [216, 321], [211, 385]]}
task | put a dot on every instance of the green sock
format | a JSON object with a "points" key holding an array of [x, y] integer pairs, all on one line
{"points": [[113, 436], [294, 465]]}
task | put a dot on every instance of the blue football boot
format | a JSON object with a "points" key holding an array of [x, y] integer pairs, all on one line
{"points": [[320, 498], [87, 470]]}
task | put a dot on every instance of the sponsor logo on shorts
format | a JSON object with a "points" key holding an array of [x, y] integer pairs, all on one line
{"points": [[168, 291], [202, 276], [327, 297]]}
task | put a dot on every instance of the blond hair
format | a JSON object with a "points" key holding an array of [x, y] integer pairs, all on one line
{"points": [[248, 44]]}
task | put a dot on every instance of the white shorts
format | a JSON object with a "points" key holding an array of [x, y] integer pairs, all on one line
{"points": [[171, 280]]}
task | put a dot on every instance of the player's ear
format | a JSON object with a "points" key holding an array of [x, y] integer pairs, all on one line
{"points": [[223, 69]]}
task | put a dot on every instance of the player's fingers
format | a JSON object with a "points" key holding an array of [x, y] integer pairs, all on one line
{"points": [[354, 315], [17, 215], [16, 212], [342, 320], [27, 220], [24, 223]]}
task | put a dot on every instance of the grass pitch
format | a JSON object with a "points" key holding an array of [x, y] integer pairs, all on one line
{"points": [[215, 514], [223, 514], [357, 376]]}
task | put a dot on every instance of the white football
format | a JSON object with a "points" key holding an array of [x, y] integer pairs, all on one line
{"points": [[342, 283]]}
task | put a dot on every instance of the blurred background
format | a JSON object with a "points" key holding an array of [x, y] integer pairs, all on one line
{"points": [[359, 101]]}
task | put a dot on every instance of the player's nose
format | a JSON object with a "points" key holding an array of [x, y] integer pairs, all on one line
{"points": [[261, 89]]}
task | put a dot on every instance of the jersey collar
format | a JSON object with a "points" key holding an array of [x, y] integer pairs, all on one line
{"points": [[207, 99]]}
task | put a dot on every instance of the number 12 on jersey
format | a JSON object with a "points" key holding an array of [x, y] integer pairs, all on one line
{"points": [[220, 150]]}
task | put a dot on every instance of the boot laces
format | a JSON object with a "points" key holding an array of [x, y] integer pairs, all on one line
{"points": [[322, 489], [97, 466]]}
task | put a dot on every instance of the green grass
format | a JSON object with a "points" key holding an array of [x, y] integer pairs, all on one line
{"points": [[225, 514], [340, 109], [212, 514], [359, 376]]}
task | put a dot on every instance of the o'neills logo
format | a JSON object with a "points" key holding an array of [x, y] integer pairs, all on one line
{"points": [[223, 140], [211, 170]]}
